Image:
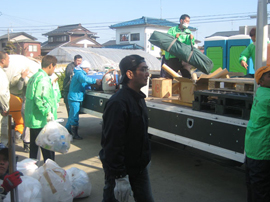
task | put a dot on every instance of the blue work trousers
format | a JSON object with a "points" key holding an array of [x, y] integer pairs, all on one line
{"points": [[140, 185], [73, 117]]}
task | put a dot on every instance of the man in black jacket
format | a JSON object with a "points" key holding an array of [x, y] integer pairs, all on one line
{"points": [[125, 152], [69, 72]]}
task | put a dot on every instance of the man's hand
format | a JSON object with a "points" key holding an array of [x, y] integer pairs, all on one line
{"points": [[11, 181], [54, 80], [50, 117], [122, 189], [244, 64], [98, 82], [24, 73], [5, 113], [177, 36], [191, 36]]}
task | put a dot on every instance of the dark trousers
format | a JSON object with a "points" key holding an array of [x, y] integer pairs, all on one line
{"points": [[177, 65], [66, 101], [140, 185], [162, 71], [47, 154], [258, 180]]}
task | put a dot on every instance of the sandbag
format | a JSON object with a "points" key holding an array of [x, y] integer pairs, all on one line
{"points": [[27, 167], [17, 64], [54, 137], [80, 182], [29, 190], [184, 52], [55, 182]]}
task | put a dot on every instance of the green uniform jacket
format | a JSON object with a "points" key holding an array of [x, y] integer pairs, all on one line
{"points": [[183, 38], [247, 53], [257, 140], [40, 100]]}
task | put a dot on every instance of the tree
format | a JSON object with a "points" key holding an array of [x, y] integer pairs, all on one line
{"points": [[9, 48]]}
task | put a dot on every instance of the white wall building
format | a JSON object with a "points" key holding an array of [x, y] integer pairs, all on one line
{"points": [[135, 34]]}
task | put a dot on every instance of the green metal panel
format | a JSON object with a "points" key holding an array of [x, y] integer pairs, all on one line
{"points": [[216, 55], [234, 65]]}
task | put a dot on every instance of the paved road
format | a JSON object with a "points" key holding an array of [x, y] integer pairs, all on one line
{"points": [[177, 173]]}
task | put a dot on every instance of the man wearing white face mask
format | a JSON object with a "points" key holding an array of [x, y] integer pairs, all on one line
{"points": [[183, 34]]}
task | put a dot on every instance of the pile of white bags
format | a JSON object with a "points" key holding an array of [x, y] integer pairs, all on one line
{"points": [[54, 137], [51, 182]]}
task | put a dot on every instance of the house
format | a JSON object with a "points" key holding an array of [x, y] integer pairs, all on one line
{"points": [[24, 44], [69, 36], [135, 34]]}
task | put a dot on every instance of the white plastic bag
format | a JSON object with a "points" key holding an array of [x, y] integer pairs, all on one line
{"points": [[54, 137], [81, 184], [55, 182], [27, 166], [29, 190]]}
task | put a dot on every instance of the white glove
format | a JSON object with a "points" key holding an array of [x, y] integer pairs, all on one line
{"points": [[50, 117], [122, 189]]}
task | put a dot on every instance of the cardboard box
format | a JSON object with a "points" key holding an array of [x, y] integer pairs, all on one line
{"points": [[161, 87], [187, 87]]}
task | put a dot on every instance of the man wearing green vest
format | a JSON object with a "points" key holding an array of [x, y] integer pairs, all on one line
{"points": [[257, 144], [40, 106], [183, 34], [249, 51]]}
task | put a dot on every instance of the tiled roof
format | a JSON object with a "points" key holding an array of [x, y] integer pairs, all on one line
{"points": [[73, 43], [109, 43], [67, 28], [148, 21], [13, 35]]}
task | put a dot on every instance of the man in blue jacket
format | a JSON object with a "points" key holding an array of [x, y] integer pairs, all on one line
{"points": [[76, 95]]}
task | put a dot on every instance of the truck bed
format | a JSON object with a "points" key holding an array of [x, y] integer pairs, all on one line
{"points": [[217, 134]]}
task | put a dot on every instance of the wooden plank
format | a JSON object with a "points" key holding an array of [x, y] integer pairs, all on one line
{"points": [[235, 80], [178, 102]]}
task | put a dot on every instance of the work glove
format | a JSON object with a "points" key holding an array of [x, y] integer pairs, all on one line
{"points": [[122, 189], [11, 181], [50, 117]]}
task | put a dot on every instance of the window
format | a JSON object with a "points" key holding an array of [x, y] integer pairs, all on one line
{"points": [[32, 48], [50, 39], [124, 37], [135, 37]]}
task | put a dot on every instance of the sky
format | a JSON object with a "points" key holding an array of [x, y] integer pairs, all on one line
{"points": [[37, 17]]}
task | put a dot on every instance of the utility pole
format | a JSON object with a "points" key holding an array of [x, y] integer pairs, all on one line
{"points": [[160, 9], [8, 34]]}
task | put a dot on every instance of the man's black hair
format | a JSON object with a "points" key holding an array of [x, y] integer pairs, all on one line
{"points": [[47, 60], [184, 16], [77, 57]]}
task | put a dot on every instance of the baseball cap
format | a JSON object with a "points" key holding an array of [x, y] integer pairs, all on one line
{"points": [[130, 62], [260, 72], [85, 64]]}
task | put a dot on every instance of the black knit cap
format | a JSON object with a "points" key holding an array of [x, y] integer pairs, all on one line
{"points": [[130, 62], [3, 150]]}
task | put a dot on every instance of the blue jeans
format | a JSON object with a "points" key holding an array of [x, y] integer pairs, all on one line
{"points": [[140, 185], [73, 117]]}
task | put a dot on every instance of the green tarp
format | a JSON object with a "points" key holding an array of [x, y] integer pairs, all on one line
{"points": [[184, 52]]}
